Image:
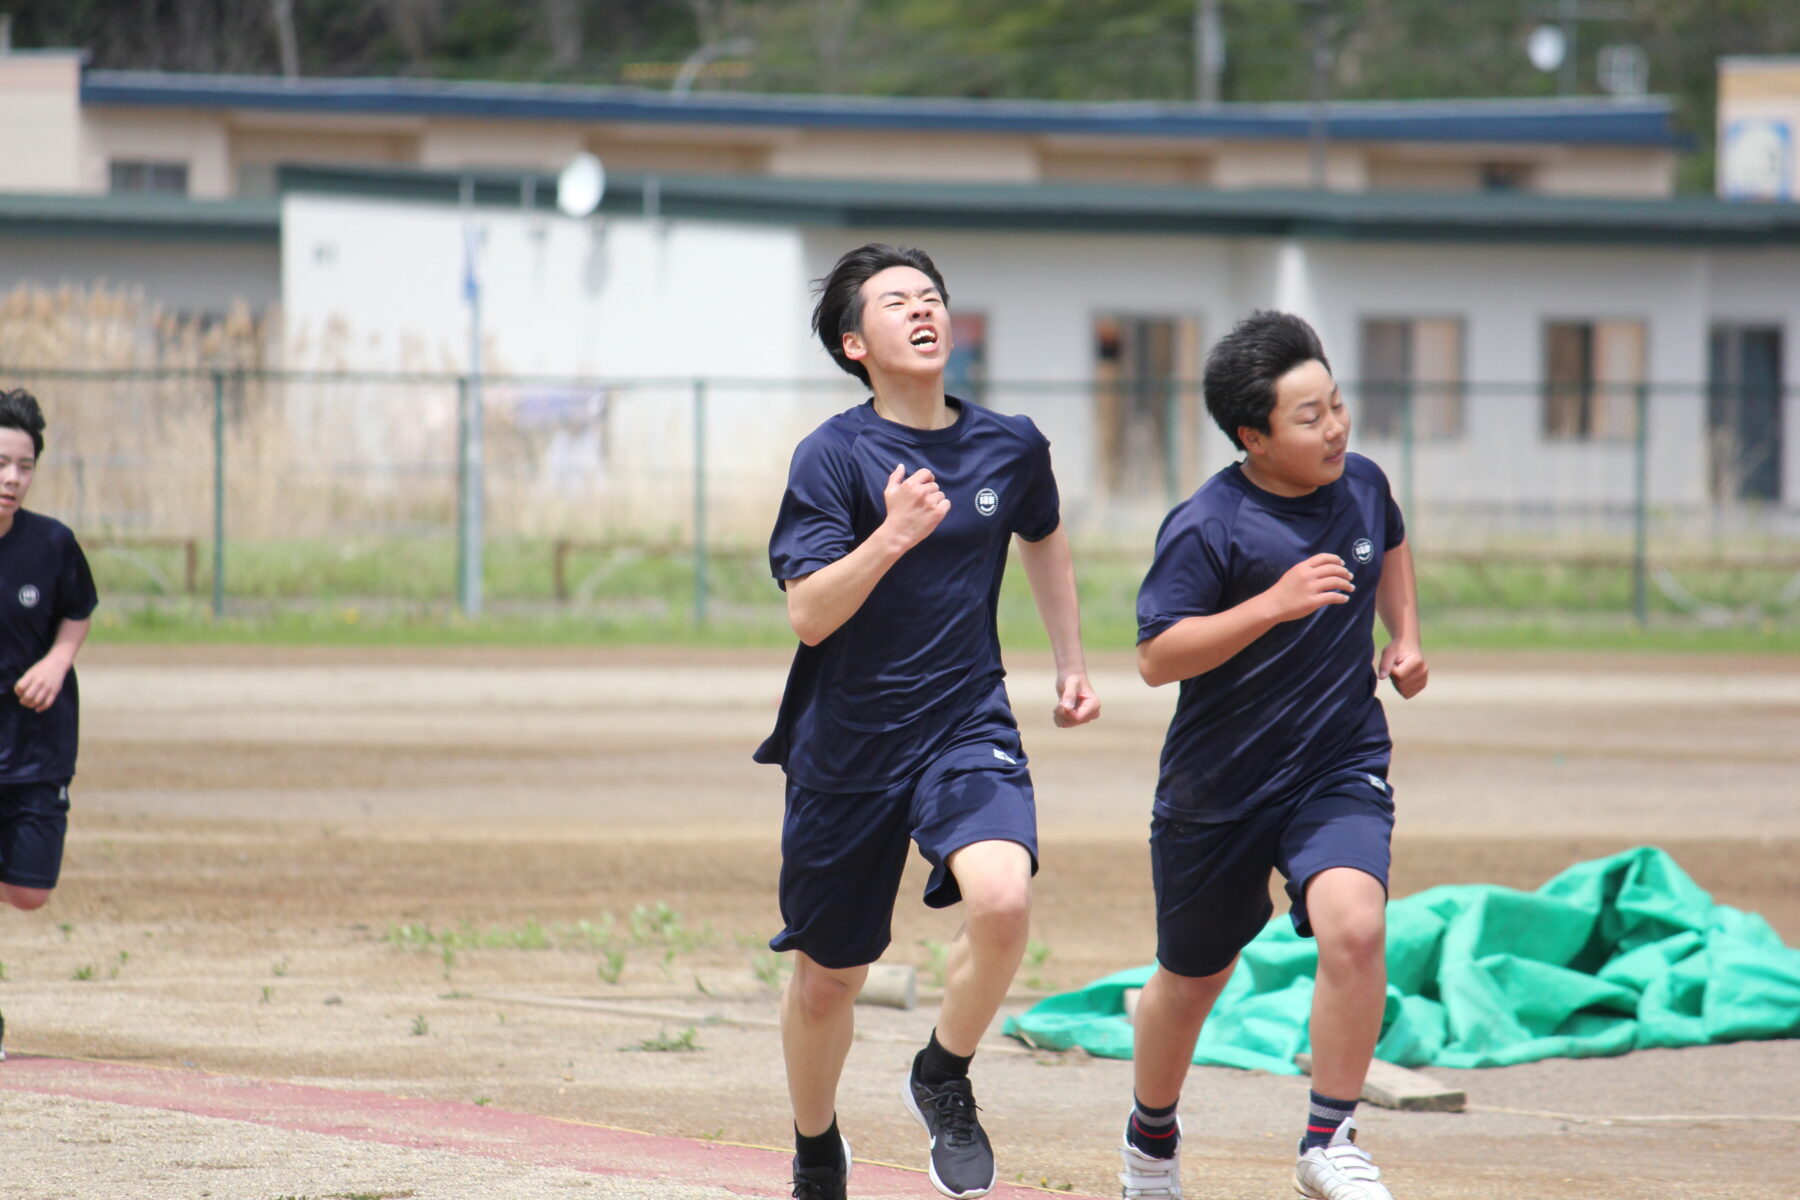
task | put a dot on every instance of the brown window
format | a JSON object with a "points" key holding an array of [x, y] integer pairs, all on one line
{"points": [[1416, 361], [1592, 373], [143, 175], [1146, 403]]}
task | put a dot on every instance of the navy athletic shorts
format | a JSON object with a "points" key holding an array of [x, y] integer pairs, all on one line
{"points": [[34, 817], [842, 854], [1212, 880]]}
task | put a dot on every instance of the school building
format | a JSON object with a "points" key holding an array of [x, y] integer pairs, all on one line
{"points": [[1523, 311]]}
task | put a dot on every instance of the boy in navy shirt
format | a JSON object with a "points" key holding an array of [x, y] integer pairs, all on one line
{"points": [[1261, 600], [895, 725], [46, 598]]}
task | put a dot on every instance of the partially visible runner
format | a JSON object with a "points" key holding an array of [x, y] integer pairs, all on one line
{"points": [[46, 600]]}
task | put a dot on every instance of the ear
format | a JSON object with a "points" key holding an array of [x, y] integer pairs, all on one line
{"points": [[854, 349], [1252, 439]]}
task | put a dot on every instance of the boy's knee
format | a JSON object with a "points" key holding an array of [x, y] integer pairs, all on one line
{"points": [[26, 898], [999, 908], [1354, 940], [820, 991]]}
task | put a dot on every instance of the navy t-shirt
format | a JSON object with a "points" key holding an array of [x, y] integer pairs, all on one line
{"points": [[1299, 701], [44, 580], [889, 689]]}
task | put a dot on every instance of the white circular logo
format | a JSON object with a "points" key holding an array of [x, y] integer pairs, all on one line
{"points": [[1364, 550], [987, 502], [28, 596]]}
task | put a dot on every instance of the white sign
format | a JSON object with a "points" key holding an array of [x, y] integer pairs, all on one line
{"points": [[1756, 160]]}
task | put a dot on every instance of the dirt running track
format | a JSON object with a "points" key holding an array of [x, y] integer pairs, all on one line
{"points": [[250, 824]]}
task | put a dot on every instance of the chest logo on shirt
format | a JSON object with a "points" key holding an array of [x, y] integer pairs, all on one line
{"points": [[987, 502], [28, 596], [1364, 550]]}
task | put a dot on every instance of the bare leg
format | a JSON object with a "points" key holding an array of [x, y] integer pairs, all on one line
{"points": [[1348, 910], [995, 879], [1170, 1012], [817, 1027]]}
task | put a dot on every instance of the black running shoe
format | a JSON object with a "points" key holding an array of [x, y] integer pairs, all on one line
{"points": [[823, 1183], [962, 1162]]}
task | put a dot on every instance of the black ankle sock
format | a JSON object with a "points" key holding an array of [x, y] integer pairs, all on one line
{"points": [[1153, 1130], [1323, 1116], [936, 1066], [825, 1150]]}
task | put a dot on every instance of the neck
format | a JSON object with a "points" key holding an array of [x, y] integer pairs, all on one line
{"points": [[6, 523], [1269, 483], [918, 403]]}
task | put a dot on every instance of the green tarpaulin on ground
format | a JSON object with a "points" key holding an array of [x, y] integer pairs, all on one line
{"points": [[1612, 955]]}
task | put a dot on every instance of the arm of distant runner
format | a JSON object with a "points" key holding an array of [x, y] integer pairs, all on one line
{"points": [[39, 686], [1051, 569], [1397, 603], [1195, 645], [820, 603]]}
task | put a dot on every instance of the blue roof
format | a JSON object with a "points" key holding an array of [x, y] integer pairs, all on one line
{"points": [[1580, 121]]}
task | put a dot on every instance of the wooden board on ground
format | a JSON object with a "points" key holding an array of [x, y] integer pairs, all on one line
{"points": [[1392, 1086]]}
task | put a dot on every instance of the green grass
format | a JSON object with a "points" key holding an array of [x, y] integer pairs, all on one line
{"points": [[399, 592]]}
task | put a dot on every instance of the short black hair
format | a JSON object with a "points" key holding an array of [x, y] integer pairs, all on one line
{"points": [[1242, 368], [19, 410], [840, 309]]}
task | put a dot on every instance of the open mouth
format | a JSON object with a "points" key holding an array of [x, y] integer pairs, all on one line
{"points": [[924, 337]]}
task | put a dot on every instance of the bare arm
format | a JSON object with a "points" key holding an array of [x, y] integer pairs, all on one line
{"points": [[1397, 604], [819, 603], [39, 686], [1195, 645], [1051, 569]]}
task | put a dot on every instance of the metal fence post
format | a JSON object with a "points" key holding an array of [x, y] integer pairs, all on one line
{"points": [[1640, 548], [1408, 439], [700, 557], [218, 572], [469, 515]]}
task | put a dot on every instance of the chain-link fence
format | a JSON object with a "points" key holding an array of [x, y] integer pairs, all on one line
{"points": [[243, 490]]}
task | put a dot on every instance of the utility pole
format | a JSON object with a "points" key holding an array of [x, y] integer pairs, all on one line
{"points": [[1209, 51], [1316, 132]]}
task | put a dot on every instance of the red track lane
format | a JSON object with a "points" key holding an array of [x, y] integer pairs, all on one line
{"points": [[441, 1126]]}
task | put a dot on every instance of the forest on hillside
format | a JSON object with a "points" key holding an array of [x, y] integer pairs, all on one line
{"points": [[1038, 49]]}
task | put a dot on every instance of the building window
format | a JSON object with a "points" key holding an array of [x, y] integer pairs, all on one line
{"points": [[1505, 177], [1146, 404], [1592, 373], [149, 176], [965, 372], [1416, 361], [1744, 412]]}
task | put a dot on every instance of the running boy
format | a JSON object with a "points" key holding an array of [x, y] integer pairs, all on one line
{"points": [[895, 724], [46, 598], [1261, 600]]}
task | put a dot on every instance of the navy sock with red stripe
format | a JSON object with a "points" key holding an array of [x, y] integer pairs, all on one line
{"points": [[1323, 1117], [1153, 1130]]}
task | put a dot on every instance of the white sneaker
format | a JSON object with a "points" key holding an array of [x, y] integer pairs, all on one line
{"points": [[1341, 1170], [1147, 1177]]}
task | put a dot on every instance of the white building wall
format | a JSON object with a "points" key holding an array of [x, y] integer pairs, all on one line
{"points": [[653, 305], [629, 298], [40, 121], [1505, 295], [201, 140]]}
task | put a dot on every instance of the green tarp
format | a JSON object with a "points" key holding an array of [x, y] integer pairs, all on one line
{"points": [[1611, 955]]}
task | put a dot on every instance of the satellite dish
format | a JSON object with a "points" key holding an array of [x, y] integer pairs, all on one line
{"points": [[1546, 47], [580, 186]]}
